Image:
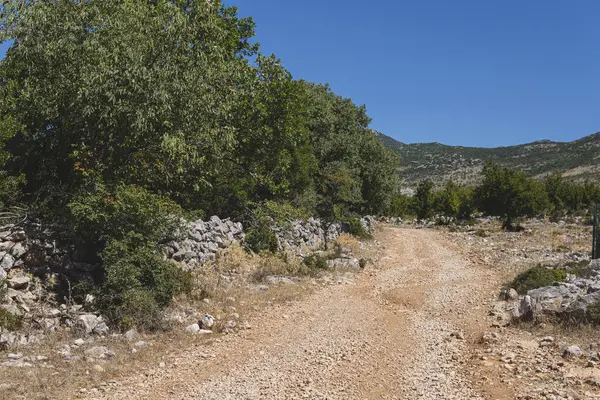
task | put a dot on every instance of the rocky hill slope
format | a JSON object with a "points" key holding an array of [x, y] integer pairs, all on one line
{"points": [[578, 160]]}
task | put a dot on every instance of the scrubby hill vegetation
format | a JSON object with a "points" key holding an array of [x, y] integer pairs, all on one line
{"points": [[577, 160], [503, 192], [118, 118]]}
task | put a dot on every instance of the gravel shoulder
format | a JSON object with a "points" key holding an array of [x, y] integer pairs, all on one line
{"points": [[402, 329]]}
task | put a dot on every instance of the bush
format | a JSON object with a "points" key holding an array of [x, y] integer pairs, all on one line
{"points": [[356, 228], [482, 233], [593, 314], [9, 321], [537, 277], [261, 239], [138, 284], [315, 261], [122, 212], [140, 310], [581, 269]]}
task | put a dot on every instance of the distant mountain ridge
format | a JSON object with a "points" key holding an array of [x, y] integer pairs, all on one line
{"points": [[578, 160]]}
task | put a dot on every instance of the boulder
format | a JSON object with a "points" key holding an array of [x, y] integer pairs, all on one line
{"points": [[193, 329], [344, 263], [573, 352], [19, 282], [524, 309], [18, 250], [207, 322], [131, 334], [86, 323], [6, 261], [101, 329], [100, 352]]}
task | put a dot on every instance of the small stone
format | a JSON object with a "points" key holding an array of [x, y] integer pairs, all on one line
{"points": [[546, 341], [193, 329], [572, 352], [207, 322], [101, 329], [162, 364], [15, 356], [79, 342], [141, 343], [98, 368], [100, 352], [89, 299], [131, 334], [6, 261], [508, 358]]}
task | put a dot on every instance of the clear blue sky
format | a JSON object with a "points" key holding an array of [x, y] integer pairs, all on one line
{"points": [[467, 72]]}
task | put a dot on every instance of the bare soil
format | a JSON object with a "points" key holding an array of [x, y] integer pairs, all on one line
{"points": [[402, 329]]}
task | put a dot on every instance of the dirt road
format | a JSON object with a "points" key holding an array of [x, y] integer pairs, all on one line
{"points": [[400, 330]]}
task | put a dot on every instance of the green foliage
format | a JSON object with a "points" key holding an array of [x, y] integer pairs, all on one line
{"points": [[482, 233], [261, 238], [537, 277], [401, 205], [117, 118], [123, 213], [593, 314], [356, 173], [315, 262], [510, 194], [569, 197], [447, 201], [10, 322], [424, 199], [355, 228], [138, 284]]}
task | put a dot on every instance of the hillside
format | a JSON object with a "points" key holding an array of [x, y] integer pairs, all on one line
{"points": [[578, 160]]}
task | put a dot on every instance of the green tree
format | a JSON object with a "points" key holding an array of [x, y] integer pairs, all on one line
{"points": [[510, 194], [424, 199], [448, 200]]}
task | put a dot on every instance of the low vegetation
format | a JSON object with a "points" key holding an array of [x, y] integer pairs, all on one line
{"points": [[537, 277], [503, 192]]}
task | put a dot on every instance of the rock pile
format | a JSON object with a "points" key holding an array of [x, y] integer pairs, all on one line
{"points": [[571, 299], [309, 234], [202, 241], [30, 256]]}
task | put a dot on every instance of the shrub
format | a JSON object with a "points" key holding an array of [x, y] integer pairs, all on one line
{"points": [[261, 238], [315, 261], [482, 233], [139, 309], [272, 265], [593, 314], [138, 284], [581, 269], [9, 321], [537, 277], [346, 240], [122, 212], [424, 199], [356, 228]]}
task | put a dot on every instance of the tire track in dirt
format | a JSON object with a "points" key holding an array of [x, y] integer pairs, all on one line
{"points": [[388, 335]]}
